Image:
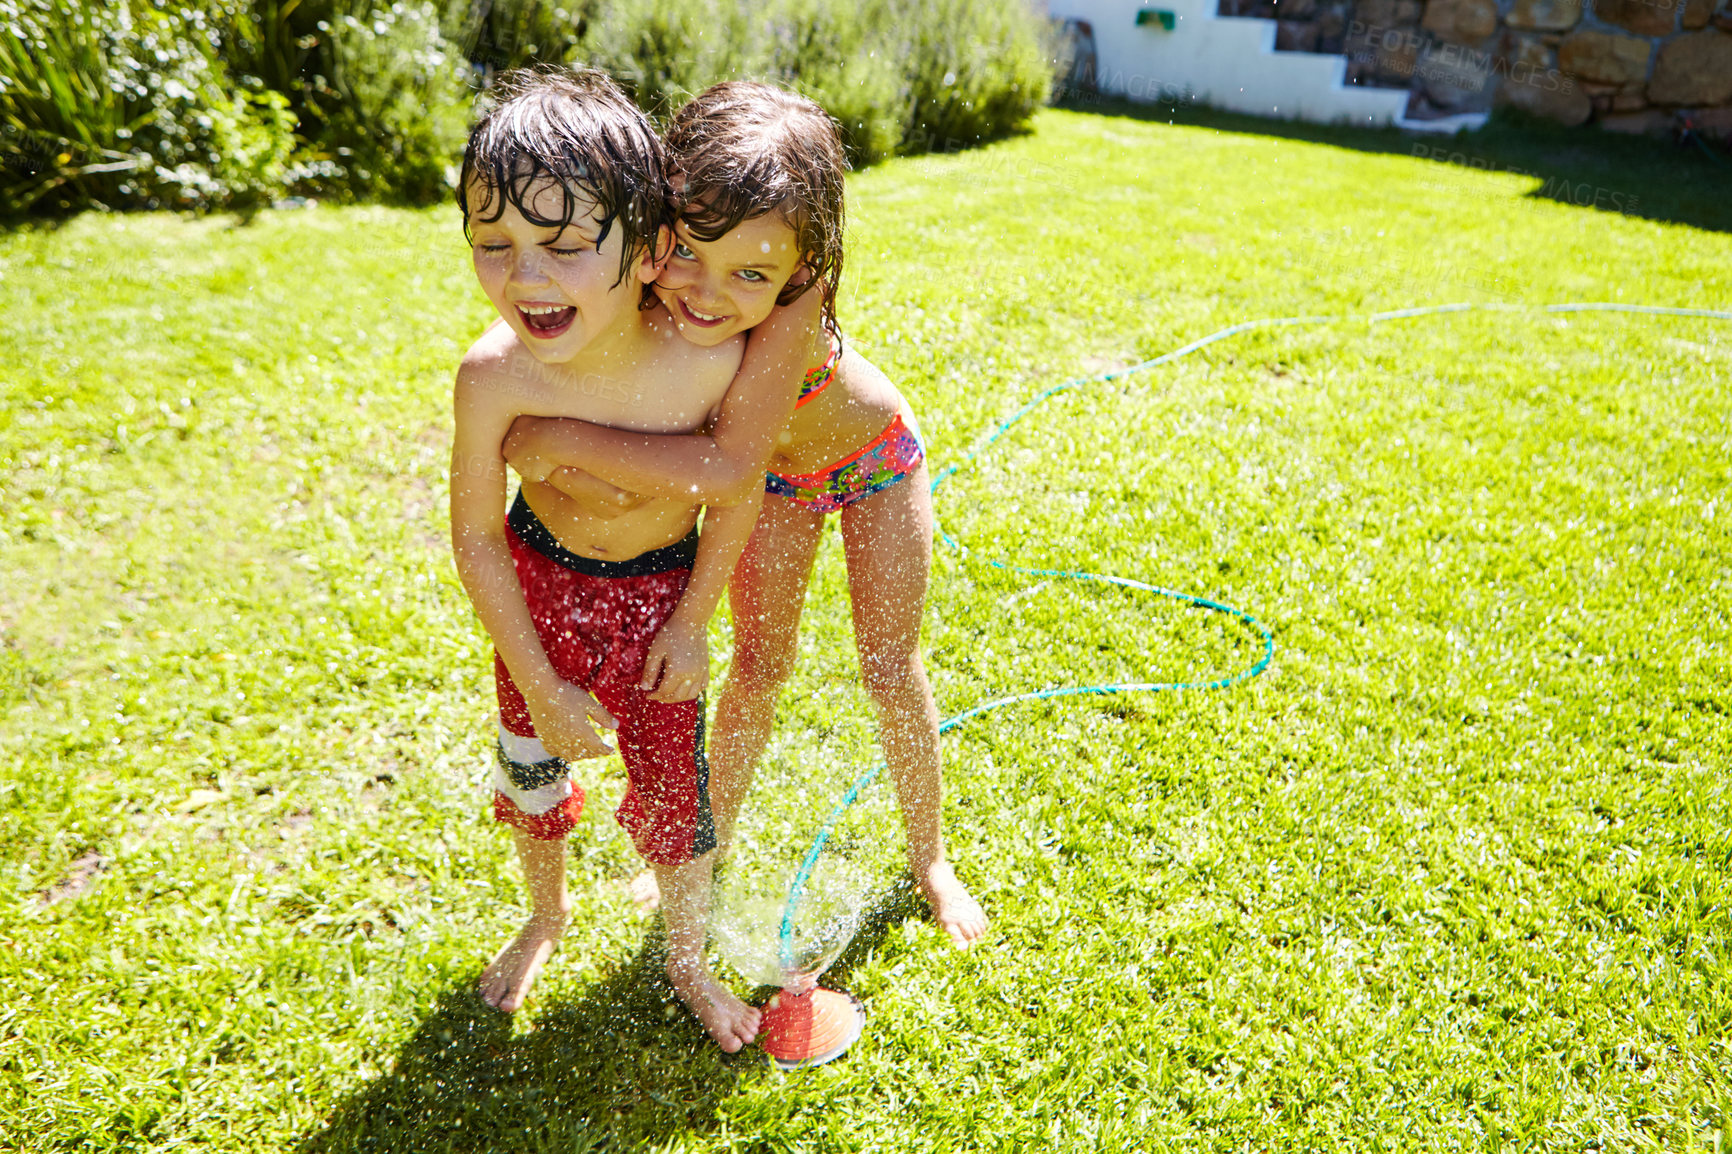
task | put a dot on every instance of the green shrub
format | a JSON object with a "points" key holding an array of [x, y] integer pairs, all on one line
{"points": [[228, 103], [664, 51], [116, 105], [828, 51], [899, 75], [398, 105], [381, 91], [512, 33], [976, 69], [123, 104]]}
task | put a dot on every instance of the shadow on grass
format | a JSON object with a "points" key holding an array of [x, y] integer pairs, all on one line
{"points": [[1672, 181], [623, 1066]]}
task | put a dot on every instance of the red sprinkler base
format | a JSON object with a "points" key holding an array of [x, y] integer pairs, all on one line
{"points": [[809, 1029]]}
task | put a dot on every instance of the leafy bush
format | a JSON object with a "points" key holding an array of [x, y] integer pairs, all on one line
{"points": [[664, 51], [899, 75], [830, 53], [396, 109], [112, 105], [512, 33], [381, 92], [228, 103], [973, 87], [129, 105]]}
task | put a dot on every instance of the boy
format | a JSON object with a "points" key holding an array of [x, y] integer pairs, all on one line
{"points": [[597, 614]]}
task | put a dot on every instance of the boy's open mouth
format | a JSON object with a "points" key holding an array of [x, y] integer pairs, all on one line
{"points": [[547, 320]]}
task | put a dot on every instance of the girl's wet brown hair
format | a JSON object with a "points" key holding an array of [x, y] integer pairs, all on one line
{"points": [[576, 129], [742, 150]]}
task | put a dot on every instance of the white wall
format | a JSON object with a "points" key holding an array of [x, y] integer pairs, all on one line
{"points": [[1224, 62]]}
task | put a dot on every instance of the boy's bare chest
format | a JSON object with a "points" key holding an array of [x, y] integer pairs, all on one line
{"points": [[657, 403]]}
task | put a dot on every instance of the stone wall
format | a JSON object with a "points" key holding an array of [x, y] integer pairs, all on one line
{"points": [[1629, 65]]}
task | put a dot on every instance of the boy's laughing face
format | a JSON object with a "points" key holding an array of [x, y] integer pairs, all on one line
{"points": [[717, 288], [558, 289]]}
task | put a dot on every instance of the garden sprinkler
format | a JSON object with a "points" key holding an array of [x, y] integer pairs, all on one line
{"points": [[803, 1024]]}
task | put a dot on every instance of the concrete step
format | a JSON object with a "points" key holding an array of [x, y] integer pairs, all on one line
{"points": [[1443, 125], [1231, 63]]}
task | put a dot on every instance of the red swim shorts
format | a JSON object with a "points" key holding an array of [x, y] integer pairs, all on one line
{"points": [[596, 620]]}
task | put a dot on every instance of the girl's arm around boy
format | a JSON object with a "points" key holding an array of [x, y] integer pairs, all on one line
{"points": [[726, 463]]}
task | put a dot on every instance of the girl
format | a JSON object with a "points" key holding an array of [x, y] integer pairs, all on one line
{"points": [[759, 183]]}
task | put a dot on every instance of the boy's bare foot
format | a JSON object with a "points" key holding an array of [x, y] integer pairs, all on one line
{"points": [[731, 1022], [953, 907], [506, 980]]}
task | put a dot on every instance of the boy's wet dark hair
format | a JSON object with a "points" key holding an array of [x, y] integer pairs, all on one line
{"points": [[576, 129], [743, 150]]}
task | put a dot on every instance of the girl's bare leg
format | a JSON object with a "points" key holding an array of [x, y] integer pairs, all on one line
{"points": [[506, 981], [887, 538], [766, 595]]}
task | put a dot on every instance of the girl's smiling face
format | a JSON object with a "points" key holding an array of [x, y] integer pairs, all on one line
{"points": [[559, 289], [720, 287]]}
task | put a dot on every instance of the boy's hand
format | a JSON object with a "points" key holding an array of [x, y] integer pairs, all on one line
{"points": [[678, 665], [566, 718], [521, 451]]}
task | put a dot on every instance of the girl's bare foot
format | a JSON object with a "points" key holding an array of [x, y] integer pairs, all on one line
{"points": [[731, 1022], [953, 907], [505, 982]]}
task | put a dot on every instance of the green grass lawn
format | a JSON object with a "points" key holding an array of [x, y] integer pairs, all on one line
{"points": [[1454, 874]]}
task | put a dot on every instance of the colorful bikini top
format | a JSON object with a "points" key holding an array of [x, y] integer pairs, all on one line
{"points": [[818, 378]]}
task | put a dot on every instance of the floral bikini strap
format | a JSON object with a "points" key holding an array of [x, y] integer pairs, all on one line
{"points": [[818, 378]]}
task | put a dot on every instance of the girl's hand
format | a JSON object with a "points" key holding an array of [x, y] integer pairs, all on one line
{"points": [[678, 665], [566, 719], [594, 495], [522, 453]]}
